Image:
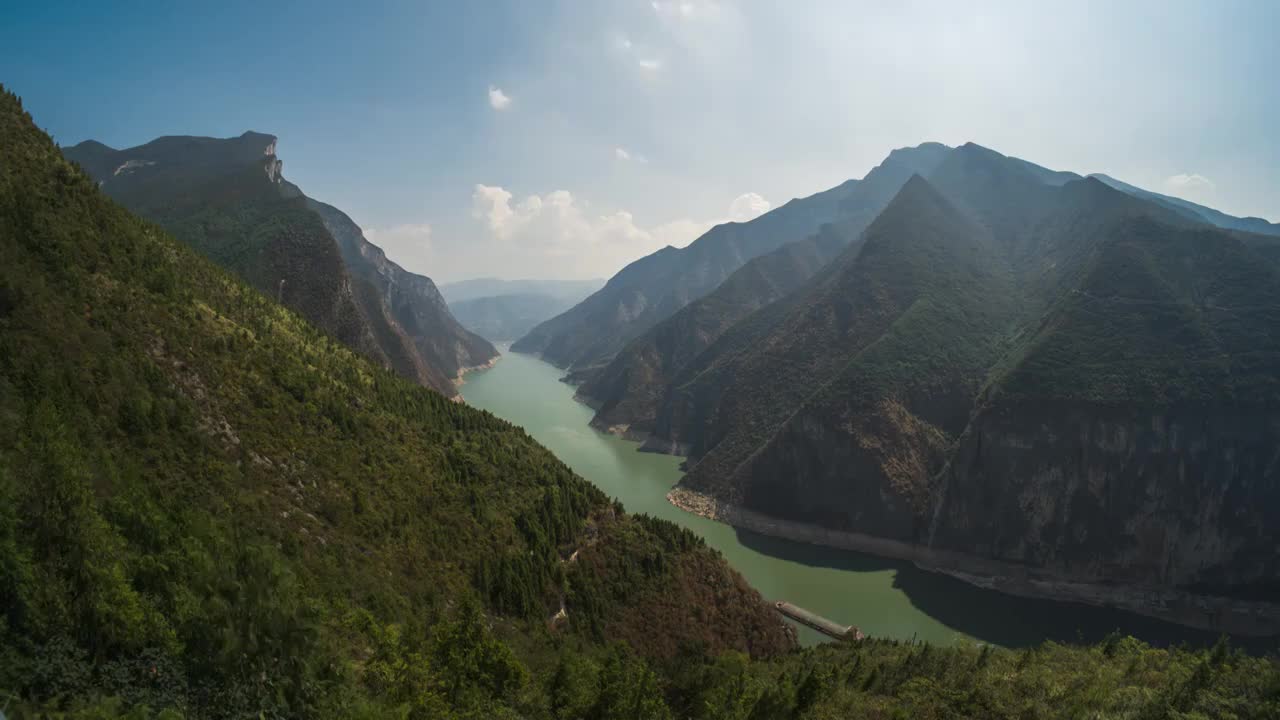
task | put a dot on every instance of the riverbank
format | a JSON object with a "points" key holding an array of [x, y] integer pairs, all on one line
{"points": [[886, 598], [462, 372], [1216, 614], [459, 381]]}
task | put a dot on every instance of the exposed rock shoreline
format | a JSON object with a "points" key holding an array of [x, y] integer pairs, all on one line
{"points": [[459, 380], [1216, 614], [648, 442]]}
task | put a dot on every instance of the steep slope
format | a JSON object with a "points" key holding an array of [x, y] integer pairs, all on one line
{"points": [[405, 303], [207, 505], [653, 288], [1035, 225], [1083, 389], [227, 198], [1133, 436], [1195, 211], [629, 391], [697, 410], [210, 509], [868, 377]]}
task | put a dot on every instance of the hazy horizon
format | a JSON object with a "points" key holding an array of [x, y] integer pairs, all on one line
{"points": [[565, 140]]}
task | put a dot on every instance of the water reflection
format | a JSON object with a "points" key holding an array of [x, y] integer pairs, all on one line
{"points": [[884, 597]]}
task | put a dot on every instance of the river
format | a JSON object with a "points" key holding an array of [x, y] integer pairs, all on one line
{"points": [[883, 597]]}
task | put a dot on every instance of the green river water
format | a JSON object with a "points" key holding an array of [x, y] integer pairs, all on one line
{"points": [[882, 597]]}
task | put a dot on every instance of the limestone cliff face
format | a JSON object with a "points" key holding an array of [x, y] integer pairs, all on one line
{"points": [[1182, 497], [863, 469], [229, 199], [296, 263], [424, 338]]}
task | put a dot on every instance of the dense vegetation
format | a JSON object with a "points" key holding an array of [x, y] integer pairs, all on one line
{"points": [[227, 199], [653, 288], [631, 390], [1014, 364], [207, 504], [209, 509]]}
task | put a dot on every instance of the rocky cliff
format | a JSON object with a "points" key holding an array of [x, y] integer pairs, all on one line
{"points": [[410, 303], [1015, 370], [229, 199]]}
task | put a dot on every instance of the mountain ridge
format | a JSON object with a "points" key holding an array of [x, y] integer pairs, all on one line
{"points": [[653, 288], [229, 199], [850, 407], [210, 507]]}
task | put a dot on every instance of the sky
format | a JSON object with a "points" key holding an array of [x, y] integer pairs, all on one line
{"points": [[565, 138]]}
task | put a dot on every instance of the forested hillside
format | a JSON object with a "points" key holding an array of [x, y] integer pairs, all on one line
{"points": [[210, 509], [207, 504], [1015, 366], [228, 198], [586, 337]]}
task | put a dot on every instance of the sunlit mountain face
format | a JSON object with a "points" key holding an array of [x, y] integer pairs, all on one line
{"points": [[706, 359]]}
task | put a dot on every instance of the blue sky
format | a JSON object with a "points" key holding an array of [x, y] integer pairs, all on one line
{"points": [[563, 139]]}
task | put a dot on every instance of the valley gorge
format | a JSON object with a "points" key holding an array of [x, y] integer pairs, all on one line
{"points": [[658, 360], [229, 199], [831, 404]]}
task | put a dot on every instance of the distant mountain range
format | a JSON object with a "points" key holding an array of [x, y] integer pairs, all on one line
{"points": [[505, 310], [228, 199], [587, 337], [504, 318], [655, 287], [1193, 211], [477, 288], [1005, 370]]}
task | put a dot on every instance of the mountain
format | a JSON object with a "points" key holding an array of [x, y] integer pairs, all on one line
{"points": [[476, 288], [657, 286], [629, 391], [228, 199], [1010, 377], [206, 504], [1194, 211], [922, 276], [412, 317], [506, 310], [503, 318], [209, 508]]}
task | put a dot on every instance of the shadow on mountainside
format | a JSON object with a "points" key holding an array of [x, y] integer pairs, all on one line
{"points": [[993, 617]]}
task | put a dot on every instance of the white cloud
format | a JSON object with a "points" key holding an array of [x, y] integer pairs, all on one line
{"points": [[498, 100], [650, 64], [492, 204], [747, 206], [1191, 186], [565, 230], [626, 155], [558, 224], [1193, 182], [682, 9]]}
